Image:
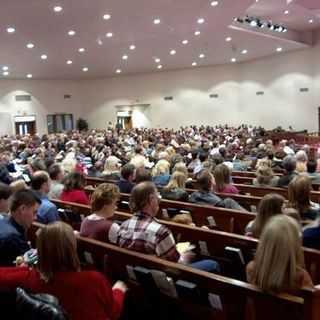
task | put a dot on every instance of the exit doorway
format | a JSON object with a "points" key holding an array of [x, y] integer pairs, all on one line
{"points": [[25, 125], [124, 120]]}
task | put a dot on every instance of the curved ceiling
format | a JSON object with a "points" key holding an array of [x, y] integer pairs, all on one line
{"points": [[131, 23]]}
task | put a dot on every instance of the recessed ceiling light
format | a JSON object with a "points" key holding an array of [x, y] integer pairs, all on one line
{"points": [[69, 62], [81, 49], [194, 64], [228, 39], [197, 33], [5, 68], [185, 41], [11, 29], [57, 9], [125, 57], [157, 60], [85, 69], [279, 49], [311, 21], [5, 73], [214, 3], [156, 21], [118, 71], [159, 66], [233, 60], [30, 45], [71, 33], [44, 57], [173, 52], [29, 75], [109, 34], [244, 51], [200, 20], [132, 47], [201, 56], [286, 12], [106, 16]]}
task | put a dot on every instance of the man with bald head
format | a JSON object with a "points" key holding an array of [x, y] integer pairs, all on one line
{"points": [[47, 211]]}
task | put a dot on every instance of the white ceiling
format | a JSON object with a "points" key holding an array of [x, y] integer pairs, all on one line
{"points": [[132, 24]]}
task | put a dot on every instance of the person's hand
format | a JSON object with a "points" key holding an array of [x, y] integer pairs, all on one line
{"points": [[187, 257], [121, 286]]}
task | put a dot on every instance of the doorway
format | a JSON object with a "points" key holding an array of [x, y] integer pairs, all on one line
{"points": [[125, 122], [25, 125]]}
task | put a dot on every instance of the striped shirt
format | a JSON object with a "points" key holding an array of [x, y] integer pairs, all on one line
{"points": [[144, 234]]}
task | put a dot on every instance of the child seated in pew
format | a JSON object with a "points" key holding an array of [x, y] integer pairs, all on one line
{"points": [[99, 224], [270, 205], [58, 273], [278, 265]]}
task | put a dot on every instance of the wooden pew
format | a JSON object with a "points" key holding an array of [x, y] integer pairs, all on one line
{"points": [[232, 293], [212, 241]]}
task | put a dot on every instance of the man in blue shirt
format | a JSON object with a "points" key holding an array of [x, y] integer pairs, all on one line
{"points": [[47, 211], [13, 241]]}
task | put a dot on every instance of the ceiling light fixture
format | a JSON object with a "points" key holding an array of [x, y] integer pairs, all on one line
{"points": [[244, 51], [173, 52], [233, 60], [185, 42], [286, 12], [132, 47], [85, 69], [71, 33], [156, 21], [214, 3], [125, 57], [228, 39], [197, 33], [5, 73], [157, 60], [69, 62], [201, 56], [311, 21], [194, 64], [30, 45], [5, 68], [81, 49], [106, 16], [57, 9], [44, 57], [118, 71], [201, 20], [109, 35], [159, 66], [11, 29], [29, 76], [279, 49]]}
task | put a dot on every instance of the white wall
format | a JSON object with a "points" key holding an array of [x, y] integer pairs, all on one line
{"points": [[280, 77], [47, 98]]}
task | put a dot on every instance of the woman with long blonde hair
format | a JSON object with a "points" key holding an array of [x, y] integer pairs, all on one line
{"points": [[175, 189], [278, 265]]}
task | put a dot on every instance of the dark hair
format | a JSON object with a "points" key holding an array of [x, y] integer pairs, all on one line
{"points": [[311, 166], [38, 179], [23, 197], [203, 156], [5, 191], [143, 175], [127, 170], [289, 163], [140, 195], [54, 171], [205, 180], [74, 180]]}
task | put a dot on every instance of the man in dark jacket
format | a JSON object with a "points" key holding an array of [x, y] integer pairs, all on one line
{"points": [[128, 173]]}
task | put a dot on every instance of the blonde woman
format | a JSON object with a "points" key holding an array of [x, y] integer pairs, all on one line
{"points": [[265, 177], [269, 206], [299, 198], [161, 173], [222, 179], [111, 168], [175, 189], [278, 265]]}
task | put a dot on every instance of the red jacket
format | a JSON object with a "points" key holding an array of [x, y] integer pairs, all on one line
{"points": [[85, 295], [78, 196]]}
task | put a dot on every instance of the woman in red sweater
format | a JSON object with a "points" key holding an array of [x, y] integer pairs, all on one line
{"points": [[84, 295], [74, 189]]}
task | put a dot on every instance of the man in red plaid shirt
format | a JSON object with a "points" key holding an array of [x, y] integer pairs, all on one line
{"points": [[144, 234]]}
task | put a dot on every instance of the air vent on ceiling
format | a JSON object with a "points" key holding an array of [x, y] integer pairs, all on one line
{"points": [[23, 97], [67, 96], [260, 93], [304, 89], [214, 96], [168, 98]]}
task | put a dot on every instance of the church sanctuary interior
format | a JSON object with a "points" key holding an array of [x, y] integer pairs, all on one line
{"points": [[160, 159]]}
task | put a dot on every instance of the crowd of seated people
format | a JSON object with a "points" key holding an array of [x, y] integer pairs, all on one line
{"points": [[147, 163]]}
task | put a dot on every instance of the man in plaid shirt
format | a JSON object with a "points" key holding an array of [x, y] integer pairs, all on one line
{"points": [[142, 232]]}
